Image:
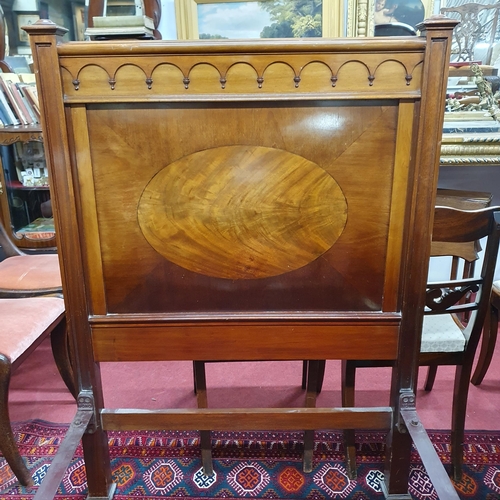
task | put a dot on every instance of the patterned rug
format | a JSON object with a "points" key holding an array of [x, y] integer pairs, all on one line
{"points": [[157, 464]]}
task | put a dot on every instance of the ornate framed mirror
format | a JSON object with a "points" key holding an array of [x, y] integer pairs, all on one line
{"points": [[363, 15]]}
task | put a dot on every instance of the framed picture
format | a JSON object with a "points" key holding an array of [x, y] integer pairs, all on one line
{"points": [[25, 19], [79, 20], [236, 19]]}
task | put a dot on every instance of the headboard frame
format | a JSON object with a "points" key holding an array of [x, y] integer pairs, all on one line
{"points": [[244, 200]]}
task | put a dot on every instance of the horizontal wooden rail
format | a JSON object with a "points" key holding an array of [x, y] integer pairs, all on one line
{"points": [[243, 419]]}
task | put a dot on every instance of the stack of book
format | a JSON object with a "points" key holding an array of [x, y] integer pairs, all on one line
{"points": [[19, 103], [121, 26]]}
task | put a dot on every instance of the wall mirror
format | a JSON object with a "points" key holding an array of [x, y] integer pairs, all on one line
{"points": [[363, 15]]}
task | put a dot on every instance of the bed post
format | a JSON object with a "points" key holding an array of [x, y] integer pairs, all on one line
{"points": [[44, 38], [438, 32]]}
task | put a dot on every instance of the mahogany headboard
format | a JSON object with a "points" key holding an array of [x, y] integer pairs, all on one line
{"points": [[238, 200]]}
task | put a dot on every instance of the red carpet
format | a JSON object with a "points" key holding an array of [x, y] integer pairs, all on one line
{"points": [[151, 465]]}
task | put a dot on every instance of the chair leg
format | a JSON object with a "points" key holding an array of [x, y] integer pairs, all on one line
{"points": [[431, 377], [458, 414], [60, 350], [200, 387], [348, 383], [490, 332], [305, 365], [313, 370], [320, 378], [7, 441]]}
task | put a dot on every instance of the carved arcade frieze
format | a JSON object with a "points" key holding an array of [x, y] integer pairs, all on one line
{"points": [[378, 74]]}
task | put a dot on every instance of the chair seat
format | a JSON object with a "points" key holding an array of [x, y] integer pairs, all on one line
{"points": [[24, 320], [30, 272], [496, 288], [441, 334]]}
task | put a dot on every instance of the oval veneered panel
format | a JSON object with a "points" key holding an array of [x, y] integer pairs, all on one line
{"points": [[242, 212]]}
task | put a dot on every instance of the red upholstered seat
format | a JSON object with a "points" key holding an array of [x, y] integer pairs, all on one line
{"points": [[27, 275], [24, 321], [30, 272]]}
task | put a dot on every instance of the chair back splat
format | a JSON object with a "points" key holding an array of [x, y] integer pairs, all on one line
{"points": [[243, 200]]}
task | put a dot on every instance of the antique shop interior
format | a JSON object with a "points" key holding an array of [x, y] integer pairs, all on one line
{"points": [[44, 377]]}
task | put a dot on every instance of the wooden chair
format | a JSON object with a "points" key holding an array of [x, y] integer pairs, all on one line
{"points": [[31, 307], [490, 333], [26, 322], [27, 275], [465, 252], [445, 339], [473, 28]]}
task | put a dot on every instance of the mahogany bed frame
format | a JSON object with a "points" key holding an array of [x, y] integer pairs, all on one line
{"points": [[234, 200]]}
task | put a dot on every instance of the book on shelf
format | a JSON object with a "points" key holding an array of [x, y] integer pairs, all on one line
{"points": [[26, 116], [27, 77], [20, 87], [32, 97], [18, 100], [5, 80], [7, 110], [127, 31], [123, 22], [3, 119]]}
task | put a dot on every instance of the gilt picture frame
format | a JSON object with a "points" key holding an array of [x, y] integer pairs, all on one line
{"points": [[25, 19]]}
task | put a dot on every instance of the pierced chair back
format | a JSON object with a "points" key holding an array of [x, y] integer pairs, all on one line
{"points": [[478, 23]]}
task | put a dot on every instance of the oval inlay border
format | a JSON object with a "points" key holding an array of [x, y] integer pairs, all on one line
{"points": [[242, 212]]}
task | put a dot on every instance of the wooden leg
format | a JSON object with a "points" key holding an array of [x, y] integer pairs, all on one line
{"points": [[305, 365], [321, 374], [458, 413], [348, 383], [431, 377], [60, 350], [200, 385], [489, 339], [194, 377], [312, 385], [7, 442]]}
